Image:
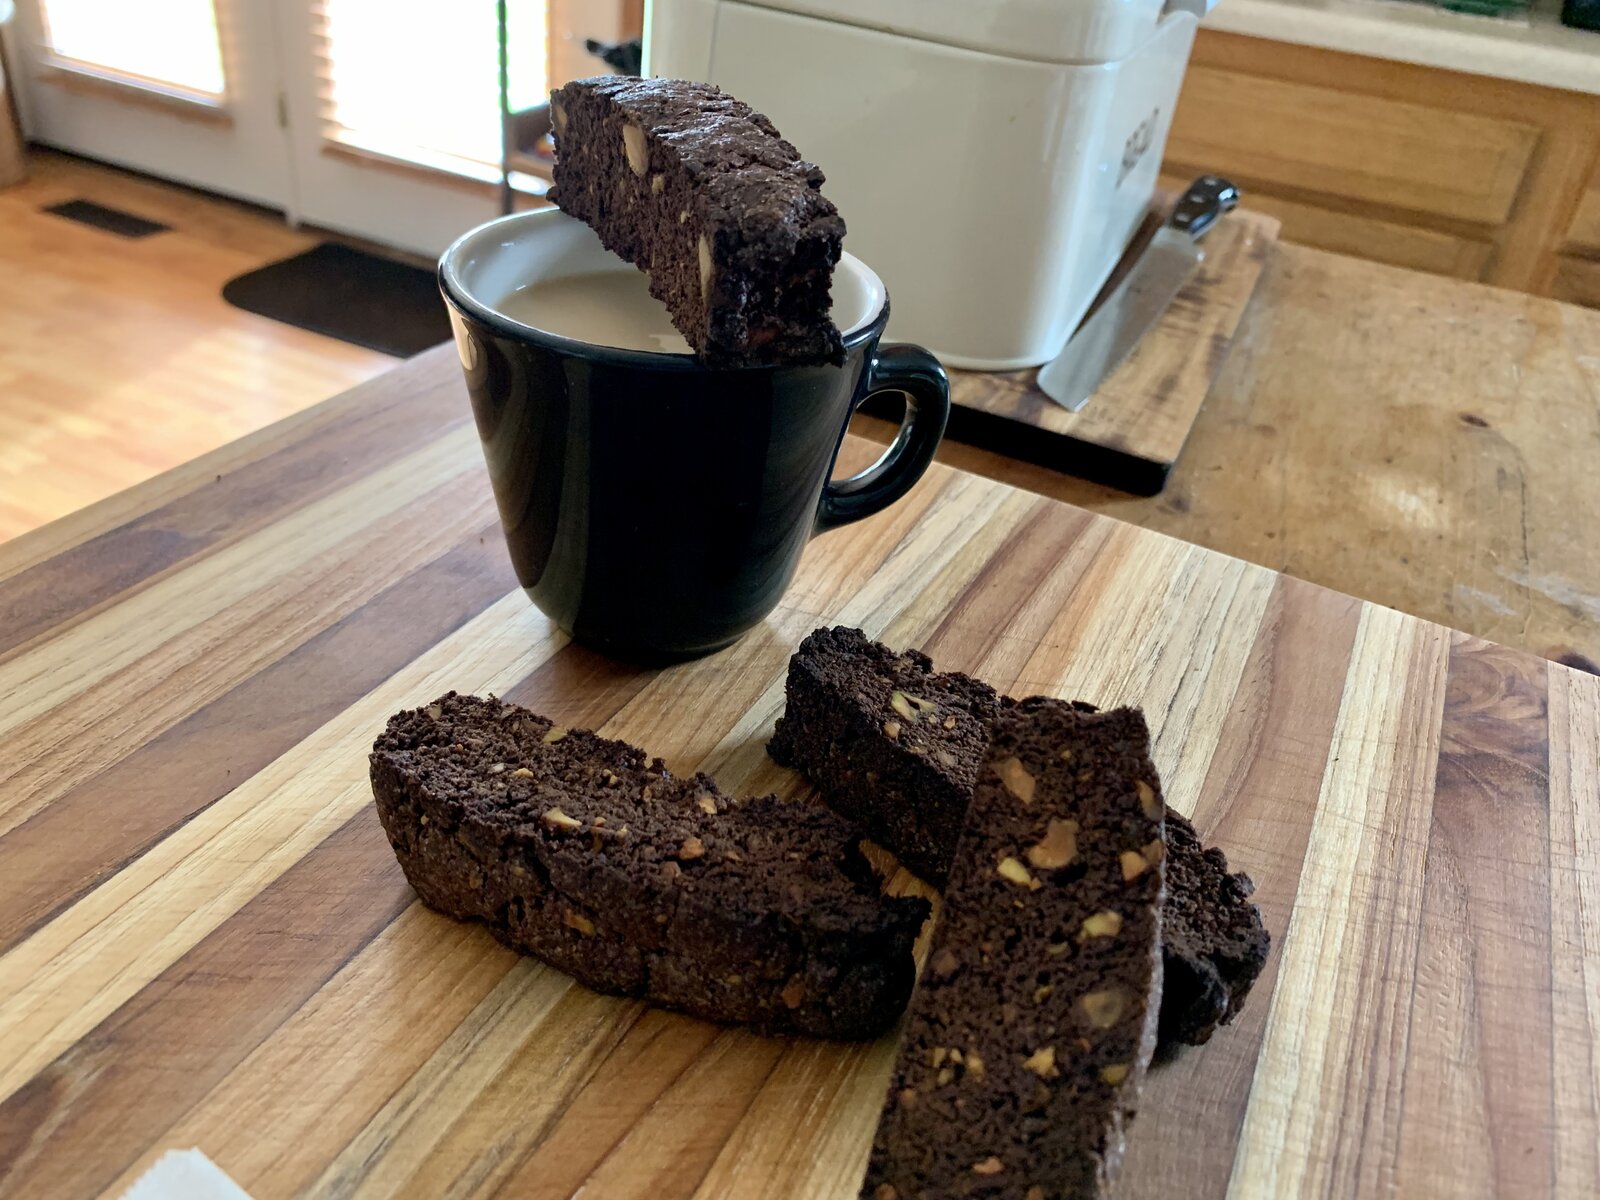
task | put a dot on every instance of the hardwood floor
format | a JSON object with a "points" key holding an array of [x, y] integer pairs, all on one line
{"points": [[119, 358]]}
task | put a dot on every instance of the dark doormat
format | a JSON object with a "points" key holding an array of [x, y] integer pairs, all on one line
{"points": [[349, 294]]}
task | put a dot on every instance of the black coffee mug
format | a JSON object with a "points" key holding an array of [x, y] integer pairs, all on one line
{"points": [[656, 509]]}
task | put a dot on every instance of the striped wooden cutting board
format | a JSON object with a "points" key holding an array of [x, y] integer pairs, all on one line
{"points": [[205, 941]]}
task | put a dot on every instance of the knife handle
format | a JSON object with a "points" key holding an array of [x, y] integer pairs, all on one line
{"points": [[1198, 208]]}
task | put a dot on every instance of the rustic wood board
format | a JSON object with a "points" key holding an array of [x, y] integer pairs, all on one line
{"points": [[1424, 443], [205, 941], [1131, 433]]}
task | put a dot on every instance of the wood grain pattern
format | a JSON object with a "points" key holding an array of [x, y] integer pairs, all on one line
{"points": [[54, 855], [1422, 443], [1260, 806], [365, 429], [243, 969], [1486, 900], [121, 358], [1134, 428], [1334, 1048], [1574, 859]]}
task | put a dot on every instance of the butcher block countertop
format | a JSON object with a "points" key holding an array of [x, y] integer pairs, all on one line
{"points": [[206, 942]]}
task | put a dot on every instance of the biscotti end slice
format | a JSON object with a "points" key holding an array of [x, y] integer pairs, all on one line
{"points": [[907, 783], [1030, 1030], [581, 851], [700, 191], [889, 743], [1215, 943]]}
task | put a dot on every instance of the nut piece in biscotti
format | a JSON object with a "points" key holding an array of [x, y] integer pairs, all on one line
{"points": [[700, 191], [581, 851], [1035, 1017], [895, 746]]}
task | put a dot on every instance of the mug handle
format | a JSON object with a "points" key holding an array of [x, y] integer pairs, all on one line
{"points": [[916, 373]]}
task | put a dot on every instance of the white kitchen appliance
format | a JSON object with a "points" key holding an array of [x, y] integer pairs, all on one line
{"points": [[991, 158]]}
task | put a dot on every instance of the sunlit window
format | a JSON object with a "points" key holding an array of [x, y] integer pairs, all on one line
{"points": [[168, 42], [433, 98]]}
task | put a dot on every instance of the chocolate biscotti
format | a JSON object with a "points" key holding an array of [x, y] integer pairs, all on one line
{"points": [[700, 191], [1030, 1030], [1212, 936], [577, 849], [895, 746], [886, 740]]}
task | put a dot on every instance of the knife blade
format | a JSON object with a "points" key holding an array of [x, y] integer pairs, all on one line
{"points": [[1137, 302]]}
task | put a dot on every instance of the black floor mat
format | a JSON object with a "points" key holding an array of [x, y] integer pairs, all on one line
{"points": [[348, 294]]}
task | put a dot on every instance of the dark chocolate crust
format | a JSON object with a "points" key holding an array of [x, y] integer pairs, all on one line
{"points": [[1030, 1030], [1214, 941], [580, 851], [910, 792], [700, 191]]}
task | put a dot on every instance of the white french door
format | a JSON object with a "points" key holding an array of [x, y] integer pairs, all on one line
{"points": [[379, 118], [184, 89], [394, 111]]}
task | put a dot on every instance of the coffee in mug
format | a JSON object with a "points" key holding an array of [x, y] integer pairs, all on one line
{"points": [[603, 308]]}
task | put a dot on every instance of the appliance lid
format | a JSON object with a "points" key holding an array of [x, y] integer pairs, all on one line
{"points": [[1058, 31]]}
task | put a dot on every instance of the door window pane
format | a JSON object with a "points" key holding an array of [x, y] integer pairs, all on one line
{"points": [[169, 42], [421, 82]]}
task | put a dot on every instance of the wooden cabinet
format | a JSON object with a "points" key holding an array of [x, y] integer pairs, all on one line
{"points": [[1455, 174], [1577, 281], [1390, 241], [1584, 233], [1358, 148], [1578, 272]]}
